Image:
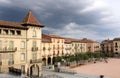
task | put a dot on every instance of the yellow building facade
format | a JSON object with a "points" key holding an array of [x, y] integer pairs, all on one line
{"points": [[20, 45], [52, 46]]}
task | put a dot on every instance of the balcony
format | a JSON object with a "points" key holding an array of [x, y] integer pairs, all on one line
{"points": [[116, 46], [53, 48], [0, 63], [10, 62], [49, 48], [34, 49], [54, 54], [50, 54], [68, 48], [44, 48], [35, 61], [6, 50], [62, 47], [44, 55]]}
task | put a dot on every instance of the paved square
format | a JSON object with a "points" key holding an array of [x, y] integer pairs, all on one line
{"points": [[111, 69]]}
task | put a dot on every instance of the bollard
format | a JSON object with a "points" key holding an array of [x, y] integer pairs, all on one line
{"points": [[101, 76]]}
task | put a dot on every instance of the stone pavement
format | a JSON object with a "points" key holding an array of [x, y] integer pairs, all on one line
{"points": [[47, 72], [67, 75], [8, 76]]}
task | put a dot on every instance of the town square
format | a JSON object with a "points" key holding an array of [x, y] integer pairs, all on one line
{"points": [[59, 39]]}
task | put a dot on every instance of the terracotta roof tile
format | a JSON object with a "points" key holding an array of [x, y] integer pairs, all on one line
{"points": [[11, 24], [85, 40], [28, 20], [46, 38], [31, 20]]}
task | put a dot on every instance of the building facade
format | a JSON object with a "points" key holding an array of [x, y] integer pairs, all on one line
{"points": [[107, 46], [23, 47], [20, 44], [91, 46], [116, 44], [52, 46], [78, 46]]}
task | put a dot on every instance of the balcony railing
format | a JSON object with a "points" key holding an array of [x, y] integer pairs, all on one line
{"points": [[49, 48], [35, 61], [5, 49], [53, 48], [44, 55], [116, 46], [49, 54], [34, 49], [54, 54], [67, 48], [0, 63], [10, 62]]}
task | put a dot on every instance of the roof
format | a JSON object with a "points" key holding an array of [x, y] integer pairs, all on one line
{"points": [[53, 36], [116, 39], [85, 40], [46, 38], [28, 20], [106, 41], [68, 40], [11, 24], [31, 20]]}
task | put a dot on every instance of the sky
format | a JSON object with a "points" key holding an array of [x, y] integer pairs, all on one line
{"points": [[93, 19]]}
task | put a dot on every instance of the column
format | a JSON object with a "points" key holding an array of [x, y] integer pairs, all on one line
{"points": [[46, 61], [51, 60]]}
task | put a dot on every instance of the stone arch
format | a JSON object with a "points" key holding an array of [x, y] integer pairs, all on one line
{"points": [[44, 61], [54, 60], [34, 70], [49, 60]]}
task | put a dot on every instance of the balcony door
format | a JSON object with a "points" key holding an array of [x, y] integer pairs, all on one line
{"points": [[11, 45]]}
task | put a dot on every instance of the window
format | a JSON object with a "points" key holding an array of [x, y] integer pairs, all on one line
{"points": [[12, 32], [34, 33], [58, 41], [11, 57], [0, 45], [72, 44], [54, 40], [11, 45], [62, 41], [53, 52], [34, 44], [5, 44], [22, 44], [53, 47], [22, 56], [18, 32], [0, 57], [0, 69], [5, 31], [34, 56], [0, 31], [23, 68]]}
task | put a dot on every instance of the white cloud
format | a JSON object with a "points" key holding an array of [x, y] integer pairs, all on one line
{"points": [[74, 18], [76, 31], [96, 4], [4, 2]]}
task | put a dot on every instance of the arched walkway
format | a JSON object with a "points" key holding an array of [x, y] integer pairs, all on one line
{"points": [[44, 61], [34, 70], [49, 61], [53, 60]]}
